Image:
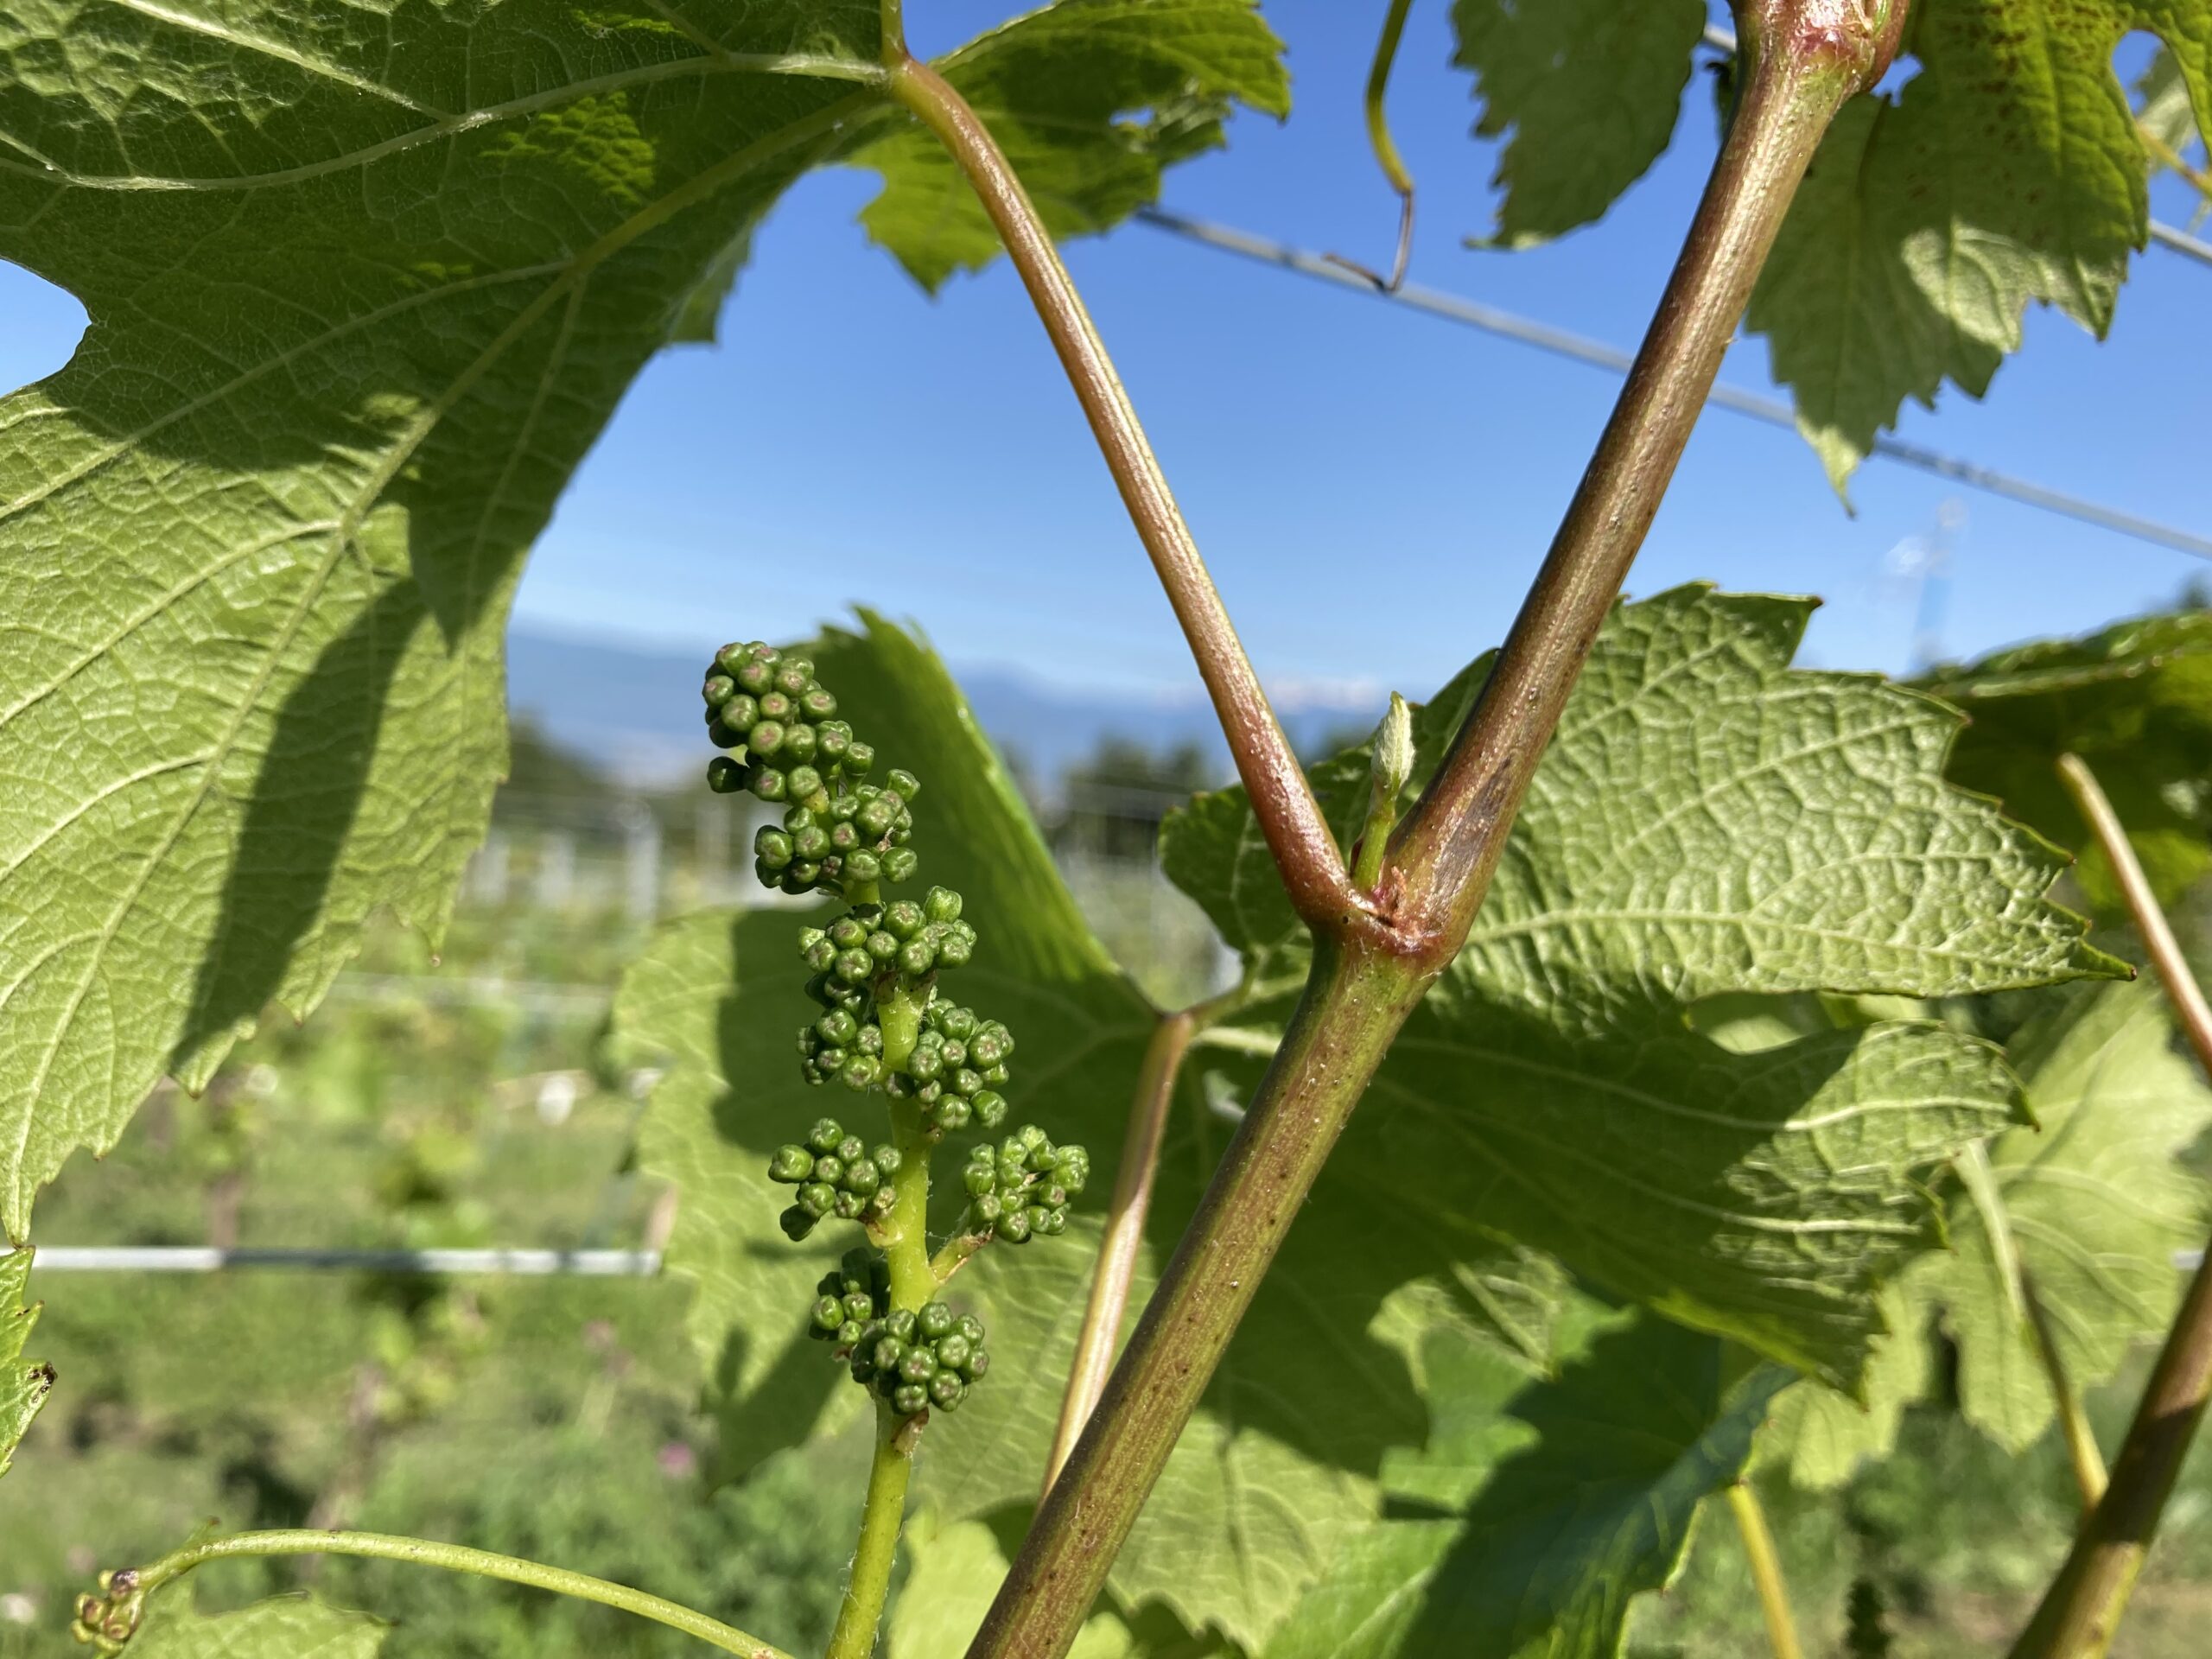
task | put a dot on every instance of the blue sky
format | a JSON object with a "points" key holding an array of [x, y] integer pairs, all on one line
{"points": [[1372, 487]]}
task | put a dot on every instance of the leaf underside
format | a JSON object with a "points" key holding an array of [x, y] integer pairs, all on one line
{"points": [[1588, 92], [363, 288], [283, 1627], [2095, 1204], [2008, 169]]}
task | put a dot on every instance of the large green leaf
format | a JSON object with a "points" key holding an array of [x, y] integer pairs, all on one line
{"points": [[1052, 88], [1280, 1463], [284, 1627], [24, 1384], [1542, 1505], [2135, 701], [2089, 1207], [363, 288], [1588, 89], [2007, 170], [1708, 821]]}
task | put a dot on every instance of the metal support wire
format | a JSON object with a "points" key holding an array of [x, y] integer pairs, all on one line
{"points": [[528, 1264], [1723, 40], [1772, 410], [2181, 241]]}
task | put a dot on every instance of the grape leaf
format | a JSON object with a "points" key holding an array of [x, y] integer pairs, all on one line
{"points": [[24, 1384], [1820, 1436], [1280, 1463], [1707, 821], [2007, 170], [362, 290], [283, 1627], [2095, 1203], [2135, 701], [1541, 1505], [1589, 91], [1051, 88]]}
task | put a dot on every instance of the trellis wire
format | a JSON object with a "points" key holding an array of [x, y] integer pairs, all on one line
{"points": [[516, 1263], [1562, 343]]}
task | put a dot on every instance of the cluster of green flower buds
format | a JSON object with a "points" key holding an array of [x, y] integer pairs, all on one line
{"points": [[851, 1295], [776, 718], [958, 1065], [874, 949], [1021, 1190], [917, 1360], [836, 1175]]}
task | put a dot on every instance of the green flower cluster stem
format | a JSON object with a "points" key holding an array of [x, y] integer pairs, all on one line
{"points": [[914, 1283], [883, 1513]]}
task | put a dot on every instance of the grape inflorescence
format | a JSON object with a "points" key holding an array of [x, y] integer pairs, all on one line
{"points": [[878, 961]]}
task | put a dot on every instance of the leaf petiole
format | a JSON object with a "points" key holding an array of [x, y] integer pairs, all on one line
{"points": [[1766, 1570], [1282, 800], [1117, 1250]]}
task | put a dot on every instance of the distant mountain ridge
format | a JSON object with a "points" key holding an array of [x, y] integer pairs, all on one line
{"points": [[632, 712]]}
